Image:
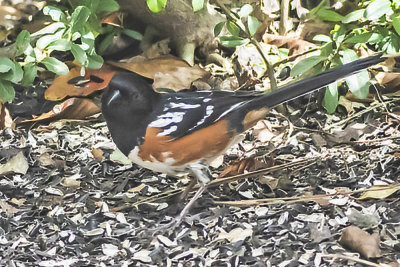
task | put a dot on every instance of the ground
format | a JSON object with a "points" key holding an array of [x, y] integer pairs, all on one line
{"points": [[77, 207]]}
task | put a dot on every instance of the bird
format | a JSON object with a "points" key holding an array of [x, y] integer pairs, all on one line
{"points": [[182, 132]]}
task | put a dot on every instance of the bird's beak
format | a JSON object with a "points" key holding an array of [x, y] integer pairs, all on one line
{"points": [[114, 95]]}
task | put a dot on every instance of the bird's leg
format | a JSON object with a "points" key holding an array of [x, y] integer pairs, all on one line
{"points": [[202, 175], [188, 188]]}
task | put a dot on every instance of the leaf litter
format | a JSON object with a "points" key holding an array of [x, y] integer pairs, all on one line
{"points": [[66, 208]]}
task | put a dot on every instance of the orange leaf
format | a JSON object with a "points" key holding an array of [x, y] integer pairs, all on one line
{"points": [[73, 108], [240, 166], [65, 85]]}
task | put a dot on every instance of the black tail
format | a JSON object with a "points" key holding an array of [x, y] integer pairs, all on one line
{"points": [[313, 83]]}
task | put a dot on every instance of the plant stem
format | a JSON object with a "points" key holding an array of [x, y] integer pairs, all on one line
{"points": [[270, 70]]}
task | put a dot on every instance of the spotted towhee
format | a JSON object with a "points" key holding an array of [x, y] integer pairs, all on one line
{"points": [[183, 131]]}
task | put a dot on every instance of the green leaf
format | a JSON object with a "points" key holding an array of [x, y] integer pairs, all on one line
{"points": [[87, 41], [348, 56], [105, 43], [331, 98], [233, 41], [7, 92], [79, 54], [197, 5], [55, 13], [13, 75], [305, 65], [60, 45], [396, 22], [95, 61], [377, 9], [359, 38], [358, 83], [79, 17], [156, 5], [329, 15], [51, 29], [6, 64], [392, 44], [30, 73], [55, 65], [232, 28], [245, 11], [22, 42], [353, 16], [44, 41], [327, 50], [252, 24], [18, 73], [107, 6], [322, 38], [218, 28], [339, 33], [133, 34]]}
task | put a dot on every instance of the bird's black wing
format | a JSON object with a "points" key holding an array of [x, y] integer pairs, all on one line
{"points": [[183, 113]]}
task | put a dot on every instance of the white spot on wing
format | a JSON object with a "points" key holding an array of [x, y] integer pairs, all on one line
{"points": [[169, 130], [183, 105], [230, 109], [167, 119]]}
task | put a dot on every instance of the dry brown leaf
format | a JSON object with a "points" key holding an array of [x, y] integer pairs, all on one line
{"points": [[236, 234], [350, 103], [17, 164], [5, 118], [358, 240], [240, 166], [97, 154], [380, 191], [8, 209], [390, 80], [167, 71], [73, 84], [351, 97], [73, 108], [19, 202], [137, 188], [295, 45], [71, 182], [9, 16]]}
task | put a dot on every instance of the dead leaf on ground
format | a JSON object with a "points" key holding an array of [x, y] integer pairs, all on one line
{"points": [[240, 166], [380, 191], [73, 84], [119, 157], [17, 164], [5, 118], [310, 28], [390, 80], [351, 97], [167, 71], [237, 234], [353, 131], [9, 16], [358, 240], [265, 131], [73, 108], [97, 154], [8, 209], [349, 104], [295, 45]]}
